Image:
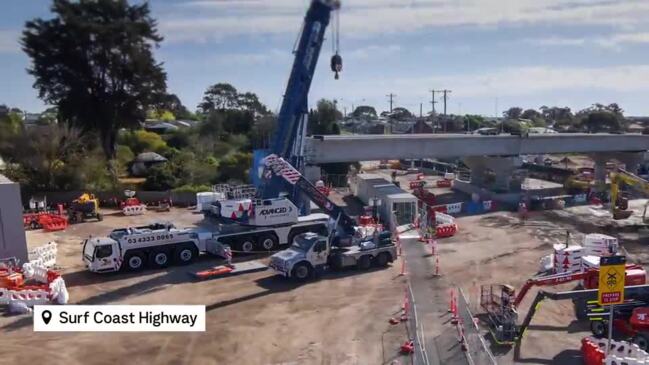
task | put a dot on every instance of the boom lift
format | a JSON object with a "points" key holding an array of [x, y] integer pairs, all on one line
{"points": [[509, 332], [501, 302], [620, 204]]}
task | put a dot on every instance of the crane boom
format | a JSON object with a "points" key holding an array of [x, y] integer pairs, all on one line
{"points": [[292, 176]]}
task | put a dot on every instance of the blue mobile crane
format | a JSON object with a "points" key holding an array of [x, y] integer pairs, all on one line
{"points": [[292, 118]]}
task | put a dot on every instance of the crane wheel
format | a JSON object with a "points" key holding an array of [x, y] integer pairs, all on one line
{"points": [[302, 271], [642, 340], [364, 262], [382, 259], [159, 259], [598, 328], [134, 261], [247, 245], [185, 255], [268, 243]]}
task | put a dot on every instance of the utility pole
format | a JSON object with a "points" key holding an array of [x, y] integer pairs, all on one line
{"points": [[391, 96], [421, 110], [445, 93], [432, 101]]}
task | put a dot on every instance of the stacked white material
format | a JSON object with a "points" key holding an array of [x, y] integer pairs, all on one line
{"points": [[441, 218], [567, 259], [596, 244], [589, 262], [205, 198]]}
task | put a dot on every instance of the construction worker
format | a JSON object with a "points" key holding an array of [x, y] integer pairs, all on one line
{"points": [[228, 257]]}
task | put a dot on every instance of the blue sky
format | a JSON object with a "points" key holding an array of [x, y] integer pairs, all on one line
{"points": [[526, 53]]}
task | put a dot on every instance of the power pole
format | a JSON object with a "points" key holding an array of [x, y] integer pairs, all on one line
{"points": [[432, 101], [445, 92], [421, 110], [391, 96]]}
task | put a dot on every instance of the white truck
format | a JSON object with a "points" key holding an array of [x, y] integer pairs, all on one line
{"points": [[311, 253], [156, 245], [247, 225]]}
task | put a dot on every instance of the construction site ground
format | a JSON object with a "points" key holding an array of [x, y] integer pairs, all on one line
{"points": [[255, 318], [501, 248]]}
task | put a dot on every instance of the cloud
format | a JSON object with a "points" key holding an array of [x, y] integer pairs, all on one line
{"points": [[511, 81], [373, 52], [9, 41], [614, 40], [200, 20]]}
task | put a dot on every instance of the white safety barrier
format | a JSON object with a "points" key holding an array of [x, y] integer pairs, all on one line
{"points": [[44, 255], [29, 297], [134, 209], [454, 208], [442, 218], [35, 271], [58, 291], [621, 352]]}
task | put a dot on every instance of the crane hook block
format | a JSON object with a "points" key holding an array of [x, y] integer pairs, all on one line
{"points": [[336, 64]]}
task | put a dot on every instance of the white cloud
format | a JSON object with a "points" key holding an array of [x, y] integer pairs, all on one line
{"points": [[9, 41], [613, 41], [513, 81], [373, 52], [363, 18]]}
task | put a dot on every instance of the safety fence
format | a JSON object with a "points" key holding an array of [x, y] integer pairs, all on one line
{"points": [[415, 331], [476, 348]]}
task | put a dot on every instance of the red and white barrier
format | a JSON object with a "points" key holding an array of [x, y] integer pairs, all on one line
{"points": [[130, 210], [620, 353]]}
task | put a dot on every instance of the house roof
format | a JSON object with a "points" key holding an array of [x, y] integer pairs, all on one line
{"points": [[149, 157]]}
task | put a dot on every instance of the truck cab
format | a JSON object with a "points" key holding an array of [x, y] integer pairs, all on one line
{"points": [[308, 252], [102, 254]]}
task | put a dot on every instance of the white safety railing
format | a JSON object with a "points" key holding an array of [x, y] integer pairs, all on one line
{"points": [[134, 209], [44, 255]]}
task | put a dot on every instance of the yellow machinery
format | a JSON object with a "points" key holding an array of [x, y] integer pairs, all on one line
{"points": [[619, 203], [84, 207]]}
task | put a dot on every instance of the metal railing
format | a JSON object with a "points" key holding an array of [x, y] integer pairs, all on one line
{"points": [[477, 349]]}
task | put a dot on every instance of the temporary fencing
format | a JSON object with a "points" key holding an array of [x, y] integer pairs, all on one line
{"points": [[415, 331], [476, 348]]}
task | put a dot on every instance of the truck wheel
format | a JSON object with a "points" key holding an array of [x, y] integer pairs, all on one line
{"points": [[159, 259], [641, 340], [247, 245], [598, 328], [134, 261], [268, 243], [364, 262], [186, 255], [382, 259], [301, 272]]}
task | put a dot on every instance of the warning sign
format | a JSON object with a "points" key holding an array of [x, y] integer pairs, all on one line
{"points": [[611, 280]]}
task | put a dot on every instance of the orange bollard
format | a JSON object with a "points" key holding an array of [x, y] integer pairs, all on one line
{"points": [[437, 266], [403, 267]]}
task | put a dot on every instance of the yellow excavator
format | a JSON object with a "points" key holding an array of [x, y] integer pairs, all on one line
{"points": [[619, 202]]}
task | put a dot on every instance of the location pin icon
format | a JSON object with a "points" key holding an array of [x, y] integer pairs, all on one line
{"points": [[47, 316]]}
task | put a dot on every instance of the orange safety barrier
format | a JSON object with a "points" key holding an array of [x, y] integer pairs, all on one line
{"points": [[416, 184], [54, 223], [593, 355]]}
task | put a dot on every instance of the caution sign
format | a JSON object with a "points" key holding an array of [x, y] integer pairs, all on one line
{"points": [[611, 280]]}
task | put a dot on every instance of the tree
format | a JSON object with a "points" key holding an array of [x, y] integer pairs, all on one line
{"points": [[142, 141], [531, 114], [220, 96], [159, 178], [601, 121], [172, 103], [473, 122], [400, 113], [235, 167], [94, 61], [323, 119], [513, 113], [364, 111]]}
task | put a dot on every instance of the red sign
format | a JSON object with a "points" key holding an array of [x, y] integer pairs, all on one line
{"points": [[612, 297]]}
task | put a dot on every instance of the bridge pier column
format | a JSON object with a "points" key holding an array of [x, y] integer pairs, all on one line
{"points": [[502, 168], [600, 160], [631, 161]]}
